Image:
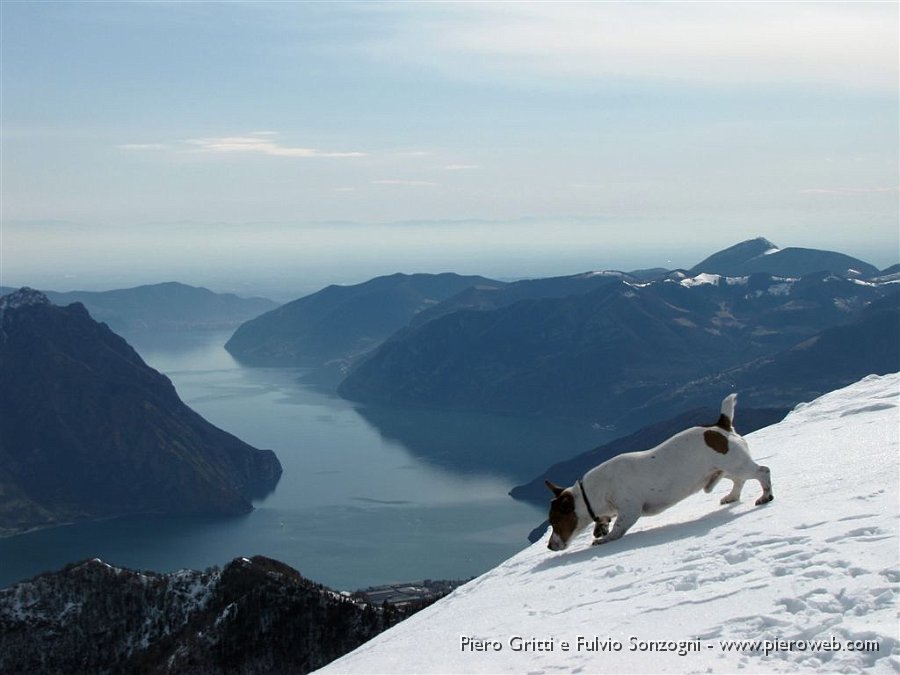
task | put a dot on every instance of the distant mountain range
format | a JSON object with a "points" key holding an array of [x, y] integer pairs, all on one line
{"points": [[254, 616], [165, 306], [616, 348], [339, 323], [602, 354], [88, 430]]}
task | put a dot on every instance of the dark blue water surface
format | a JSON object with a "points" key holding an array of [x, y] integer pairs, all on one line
{"points": [[368, 495]]}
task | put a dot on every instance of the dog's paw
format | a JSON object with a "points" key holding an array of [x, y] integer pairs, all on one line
{"points": [[765, 499], [608, 538], [601, 528]]}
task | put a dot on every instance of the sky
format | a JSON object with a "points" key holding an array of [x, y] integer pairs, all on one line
{"points": [[263, 145]]}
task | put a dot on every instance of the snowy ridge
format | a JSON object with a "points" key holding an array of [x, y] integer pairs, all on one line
{"points": [[816, 569], [602, 273], [21, 298], [187, 592], [715, 279]]}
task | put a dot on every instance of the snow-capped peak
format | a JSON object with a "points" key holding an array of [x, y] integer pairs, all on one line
{"points": [[806, 583]]}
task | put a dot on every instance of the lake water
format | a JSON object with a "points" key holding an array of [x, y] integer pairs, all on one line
{"points": [[368, 495]]}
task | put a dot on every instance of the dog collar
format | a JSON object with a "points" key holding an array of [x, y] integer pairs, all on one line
{"points": [[587, 503]]}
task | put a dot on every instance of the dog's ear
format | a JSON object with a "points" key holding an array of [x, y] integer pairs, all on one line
{"points": [[565, 503], [555, 489]]}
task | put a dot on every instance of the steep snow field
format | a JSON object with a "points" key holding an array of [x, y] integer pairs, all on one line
{"points": [[820, 563]]}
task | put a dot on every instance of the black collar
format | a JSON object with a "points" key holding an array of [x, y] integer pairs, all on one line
{"points": [[587, 503]]}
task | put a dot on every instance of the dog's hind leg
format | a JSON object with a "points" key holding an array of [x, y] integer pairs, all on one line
{"points": [[765, 480], [735, 493], [761, 474]]}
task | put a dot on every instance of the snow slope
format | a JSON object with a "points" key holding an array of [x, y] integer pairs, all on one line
{"points": [[818, 563]]}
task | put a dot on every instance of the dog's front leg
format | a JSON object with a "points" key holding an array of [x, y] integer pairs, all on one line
{"points": [[601, 527], [624, 520]]}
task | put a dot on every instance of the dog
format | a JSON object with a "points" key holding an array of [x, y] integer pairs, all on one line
{"points": [[636, 484]]}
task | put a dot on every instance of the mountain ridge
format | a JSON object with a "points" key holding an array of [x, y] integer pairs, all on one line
{"points": [[255, 615], [603, 353], [319, 330], [169, 305], [339, 323]]}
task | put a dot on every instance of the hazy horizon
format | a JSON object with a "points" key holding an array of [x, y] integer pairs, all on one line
{"points": [[282, 261], [286, 145]]}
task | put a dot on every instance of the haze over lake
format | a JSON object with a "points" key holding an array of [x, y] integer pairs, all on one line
{"points": [[353, 507]]}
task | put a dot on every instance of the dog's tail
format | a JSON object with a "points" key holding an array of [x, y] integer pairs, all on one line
{"points": [[726, 416]]}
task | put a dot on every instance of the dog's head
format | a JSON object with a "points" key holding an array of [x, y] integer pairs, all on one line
{"points": [[563, 517]]}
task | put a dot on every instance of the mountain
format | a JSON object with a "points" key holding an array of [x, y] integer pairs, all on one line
{"points": [[485, 297], [601, 354], [891, 273], [88, 430], [254, 616], [868, 342], [568, 471], [734, 256], [807, 583], [165, 306], [762, 256], [649, 274], [342, 322]]}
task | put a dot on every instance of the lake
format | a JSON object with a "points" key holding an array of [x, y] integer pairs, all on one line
{"points": [[368, 495]]}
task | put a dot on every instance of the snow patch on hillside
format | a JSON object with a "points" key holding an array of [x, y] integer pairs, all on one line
{"points": [[820, 563], [705, 279], [602, 273]]}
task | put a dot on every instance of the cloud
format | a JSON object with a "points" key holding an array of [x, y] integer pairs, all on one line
{"points": [[143, 146], [848, 191], [411, 183], [845, 44], [460, 167], [259, 143]]}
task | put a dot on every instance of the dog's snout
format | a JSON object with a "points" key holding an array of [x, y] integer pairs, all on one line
{"points": [[556, 543]]}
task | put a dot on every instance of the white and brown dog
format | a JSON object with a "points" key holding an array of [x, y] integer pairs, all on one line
{"points": [[636, 484]]}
